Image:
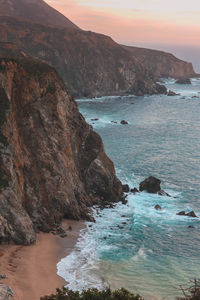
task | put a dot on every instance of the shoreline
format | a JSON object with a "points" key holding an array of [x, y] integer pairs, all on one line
{"points": [[32, 270]]}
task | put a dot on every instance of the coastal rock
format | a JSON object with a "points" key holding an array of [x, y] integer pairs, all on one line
{"points": [[162, 64], [171, 93], [125, 188], [190, 214], [163, 193], [181, 213], [183, 81], [134, 190], [90, 64], [6, 293], [151, 185], [123, 122], [52, 163], [158, 207]]}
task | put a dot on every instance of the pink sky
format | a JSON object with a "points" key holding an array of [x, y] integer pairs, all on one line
{"points": [[137, 21]]}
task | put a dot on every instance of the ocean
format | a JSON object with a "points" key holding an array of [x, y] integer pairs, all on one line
{"points": [[134, 246]]}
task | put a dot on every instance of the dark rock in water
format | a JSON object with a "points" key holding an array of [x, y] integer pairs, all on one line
{"points": [[114, 122], [123, 216], [183, 81], [191, 214], [134, 190], [123, 122], [181, 213], [124, 201], [190, 226], [151, 185], [125, 188], [158, 207], [63, 235], [94, 119], [163, 193], [124, 223], [161, 89], [195, 97], [171, 93]]}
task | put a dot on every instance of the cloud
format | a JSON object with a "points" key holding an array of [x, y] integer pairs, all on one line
{"points": [[139, 21]]}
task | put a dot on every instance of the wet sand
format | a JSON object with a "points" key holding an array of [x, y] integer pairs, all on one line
{"points": [[31, 270]]}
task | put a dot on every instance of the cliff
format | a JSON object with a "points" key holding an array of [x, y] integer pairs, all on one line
{"points": [[90, 64], [162, 64], [52, 163], [36, 11]]}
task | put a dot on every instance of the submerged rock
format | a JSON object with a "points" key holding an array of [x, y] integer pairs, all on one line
{"points": [[158, 207], [123, 122], [134, 190], [190, 214], [171, 93], [163, 193], [183, 81]]}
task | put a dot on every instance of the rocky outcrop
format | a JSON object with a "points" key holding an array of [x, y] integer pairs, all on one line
{"points": [[6, 292], [36, 11], [52, 163], [162, 64], [151, 185], [183, 81], [90, 64]]}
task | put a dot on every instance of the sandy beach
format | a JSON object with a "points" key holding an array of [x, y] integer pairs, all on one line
{"points": [[31, 270]]}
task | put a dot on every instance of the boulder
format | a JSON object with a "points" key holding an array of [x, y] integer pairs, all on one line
{"points": [[191, 214], [124, 201], [171, 93], [151, 185], [125, 188], [123, 122], [158, 207], [96, 119], [181, 213], [134, 190], [183, 81]]}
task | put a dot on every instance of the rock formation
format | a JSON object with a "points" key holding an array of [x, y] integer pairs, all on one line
{"points": [[52, 163], [162, 64], [90, 64]]}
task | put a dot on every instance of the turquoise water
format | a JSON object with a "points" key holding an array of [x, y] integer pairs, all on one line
{"points": [[146, 251]]}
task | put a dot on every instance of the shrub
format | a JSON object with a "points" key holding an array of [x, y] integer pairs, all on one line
{"points": [[92, 294]]}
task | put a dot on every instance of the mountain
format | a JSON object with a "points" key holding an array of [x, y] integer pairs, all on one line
{"points": [[162, 64], [90, 64], [52, 163], [36, 11]]}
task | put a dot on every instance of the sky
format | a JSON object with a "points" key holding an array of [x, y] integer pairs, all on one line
{"points": [[172, 25]]}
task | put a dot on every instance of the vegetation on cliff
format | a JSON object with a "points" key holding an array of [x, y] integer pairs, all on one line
{"points": [[92, 294]]}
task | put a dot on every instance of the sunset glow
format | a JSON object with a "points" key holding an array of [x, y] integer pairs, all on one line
{"points": [[137, 21]]}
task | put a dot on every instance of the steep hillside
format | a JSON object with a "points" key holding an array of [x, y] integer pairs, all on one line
{"points": [[90, 64], [52, 163], [36, 11], [162, 64]]}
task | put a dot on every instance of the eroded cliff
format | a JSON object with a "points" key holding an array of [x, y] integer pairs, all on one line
{"points": [[162, 64], [90, 64], [52, 163]]}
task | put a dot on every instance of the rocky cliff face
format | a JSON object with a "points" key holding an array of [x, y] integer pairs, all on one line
{"points": [[36, 11], [90, 64], [162, 64], [52, 163]]}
